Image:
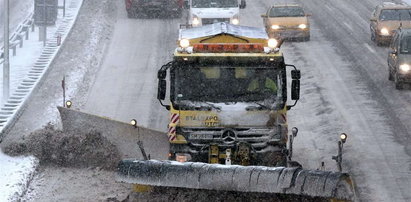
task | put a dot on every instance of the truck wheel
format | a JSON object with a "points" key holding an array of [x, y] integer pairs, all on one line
{"points": [[274, 159]]}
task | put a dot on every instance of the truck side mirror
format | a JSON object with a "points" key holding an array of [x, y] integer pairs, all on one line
{"points": [[162, 88], [295, 89], [243, 4], [186, 4], [264, 15], [161, 74], [295, 74]]}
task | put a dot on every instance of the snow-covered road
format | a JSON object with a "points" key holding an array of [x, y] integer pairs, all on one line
{"points": [[344, 89]]}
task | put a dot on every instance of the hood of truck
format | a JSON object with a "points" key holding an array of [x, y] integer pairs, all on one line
{"points": [[228, 115], [215, 12]]}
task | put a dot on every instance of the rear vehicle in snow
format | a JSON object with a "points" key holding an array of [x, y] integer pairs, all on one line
{"points": [[386, 18], [154, 8], [287, 22], [203, 12], [399, 58]]}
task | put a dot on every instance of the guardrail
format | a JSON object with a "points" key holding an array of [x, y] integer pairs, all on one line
{"points": [[12, 108], [21, 33]]}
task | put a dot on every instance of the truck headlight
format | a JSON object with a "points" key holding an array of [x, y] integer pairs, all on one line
{"points": [[272, 43], [302, 26], [275, 27], [405, 68], [196, 21], [235, 21], [184, 43], [182, 157], [384, 31]]}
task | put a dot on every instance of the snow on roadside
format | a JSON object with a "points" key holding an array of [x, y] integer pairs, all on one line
{"points": [[15, 175], [17, 172], [19, 10]]}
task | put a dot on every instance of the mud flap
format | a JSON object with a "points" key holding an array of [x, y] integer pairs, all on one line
{"points": [[257, 179]]}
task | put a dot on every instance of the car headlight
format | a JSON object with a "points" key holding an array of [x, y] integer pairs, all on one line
{"points": [[405, 67], [184, 43], [272, 43], [302, 26], [235, 21], [275, 27], [384, 31], [196, 20]]}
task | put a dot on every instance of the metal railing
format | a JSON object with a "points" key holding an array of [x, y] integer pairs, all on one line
{"points": [[21, 33]]}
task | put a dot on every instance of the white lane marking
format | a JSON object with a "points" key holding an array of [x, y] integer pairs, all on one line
{"points": [[369, 48], [328, 7], [348, 26]]}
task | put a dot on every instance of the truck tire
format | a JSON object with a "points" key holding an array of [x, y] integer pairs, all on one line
{"points": [[274, 159]]}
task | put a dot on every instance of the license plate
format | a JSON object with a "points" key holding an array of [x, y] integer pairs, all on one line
{"points": [[199, 136]]}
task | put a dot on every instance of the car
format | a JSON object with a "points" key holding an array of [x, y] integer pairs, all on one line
{"points": [[386, 18], [203, 12], [399, 58], [287, 22], [154, 8]]}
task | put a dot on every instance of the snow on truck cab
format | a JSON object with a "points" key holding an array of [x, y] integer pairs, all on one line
{"points": [[203, 12], [228, 90]]}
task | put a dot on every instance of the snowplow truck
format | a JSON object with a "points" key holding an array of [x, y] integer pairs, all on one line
{"points": [[154, 8], [228, 119]]}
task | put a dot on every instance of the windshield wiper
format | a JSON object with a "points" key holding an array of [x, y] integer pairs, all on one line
{"points": [[210, 105], [263, 106], [248, 94]]}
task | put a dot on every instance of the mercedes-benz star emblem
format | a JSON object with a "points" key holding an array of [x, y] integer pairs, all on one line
{"points": [[228, 136]]}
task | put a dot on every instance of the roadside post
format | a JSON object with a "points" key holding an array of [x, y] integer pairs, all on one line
{"points": [[6, 63]]}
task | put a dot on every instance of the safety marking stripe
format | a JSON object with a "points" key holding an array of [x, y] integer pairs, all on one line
{"points": [[284, 117], [172, 137], [175, 118]]}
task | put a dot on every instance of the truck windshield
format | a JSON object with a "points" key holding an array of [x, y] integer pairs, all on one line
{"points": [[225, 84], [395, 14], [214, 3]]}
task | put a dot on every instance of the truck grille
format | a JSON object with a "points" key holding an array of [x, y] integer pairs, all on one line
{"points": [[257, 137]]}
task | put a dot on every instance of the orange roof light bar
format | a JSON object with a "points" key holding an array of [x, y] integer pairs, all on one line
{"points": [[228, 48]]}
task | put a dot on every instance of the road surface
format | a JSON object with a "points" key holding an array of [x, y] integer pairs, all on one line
{"points": [[345, 88]]}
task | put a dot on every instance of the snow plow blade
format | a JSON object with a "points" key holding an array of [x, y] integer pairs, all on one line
{"points": [[258, 179], [123, 135]]}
